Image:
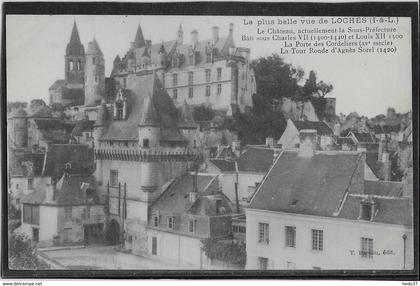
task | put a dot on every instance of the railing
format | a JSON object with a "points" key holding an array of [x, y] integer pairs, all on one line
{"points": [[141, 155]]}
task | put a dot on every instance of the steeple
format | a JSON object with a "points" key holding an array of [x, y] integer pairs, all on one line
{"points": [[149, 116], [93, 48], [180, 35], [139, 40], [75, 47]]}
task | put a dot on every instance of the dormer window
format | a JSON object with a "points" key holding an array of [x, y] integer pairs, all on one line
{"points": [[146, 143], [367, 210], [191, 59], [208, 57], [119, 110]]}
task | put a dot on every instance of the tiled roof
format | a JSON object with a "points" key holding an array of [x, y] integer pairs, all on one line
{"points": [[224, 165], [321, 127], [82, 126], [308, 185], [256, 160], [364, 137], [80, 157], [50, 123], [59, 83], [345, 140], [390, 210], [175, 199], [70, 190], [43, 112], [163, 106], [383, 188]]}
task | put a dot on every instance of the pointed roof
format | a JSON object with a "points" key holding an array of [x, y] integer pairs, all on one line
{"points": [[139, 40], [93, 48], [186, 120], [162, 49], [149, 117], [75, 47]]}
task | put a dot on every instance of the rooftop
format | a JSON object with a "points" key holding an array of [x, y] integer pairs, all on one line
{"points": [[321, 127]]}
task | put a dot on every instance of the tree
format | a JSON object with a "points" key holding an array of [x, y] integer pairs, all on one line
{"points": [[203, 113], [324, 88], [23, 254]]}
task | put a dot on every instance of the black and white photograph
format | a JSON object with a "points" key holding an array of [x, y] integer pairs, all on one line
{"points": [[234, 143]]}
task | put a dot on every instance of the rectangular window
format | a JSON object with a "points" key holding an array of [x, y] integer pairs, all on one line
{"points": [[263, 233], [190, 78], [31, 214], [367, 247], [208, 74], [171, 222], [317, 239], [219, 89], [156, 221], [208, 90], [124, 82], [219, 74], [145, 143], [290, 236], [175, 93], [190, 92], [113, 177], [87, 211], [191, 59], [191, 225], [174, 79], [35, 234], [30, 183], [67, 213], [262, 263]]}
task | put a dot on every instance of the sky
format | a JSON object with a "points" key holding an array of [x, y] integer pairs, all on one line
{"points": [[35, 48]]}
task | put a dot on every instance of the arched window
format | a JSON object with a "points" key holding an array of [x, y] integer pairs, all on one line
{"points": [[71, 65], [79, 65]]}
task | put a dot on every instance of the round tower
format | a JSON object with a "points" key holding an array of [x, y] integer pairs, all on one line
{"points": [[75, 59], [19, 129], [94, 74], [98, 129]]}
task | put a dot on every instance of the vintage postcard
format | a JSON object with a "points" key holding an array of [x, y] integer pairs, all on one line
{"points": [[164, 142]]}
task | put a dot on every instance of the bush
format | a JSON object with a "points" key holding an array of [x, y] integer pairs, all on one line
{"points": [[233, 252], [23, 254]]}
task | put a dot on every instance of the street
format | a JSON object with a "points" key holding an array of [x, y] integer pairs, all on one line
{"points": [[105, 257]]}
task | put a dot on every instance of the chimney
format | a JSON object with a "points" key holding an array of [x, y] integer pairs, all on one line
{"points": [[50, 193], [215, 31], [194, 38], [307, 142], [387, 166], [193, 197], [269, 142], [230, 28]]}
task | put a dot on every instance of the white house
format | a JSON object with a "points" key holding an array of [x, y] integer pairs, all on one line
{"points": [[246, 172], [314, 210], [290, 137]]}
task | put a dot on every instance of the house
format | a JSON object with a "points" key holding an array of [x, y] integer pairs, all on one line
{"points": [[242, 175], [82, 132], [141, 142], [30, 171], [190, 209], [290, 137], [211, 71], [312, 212], [69, 213]]}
